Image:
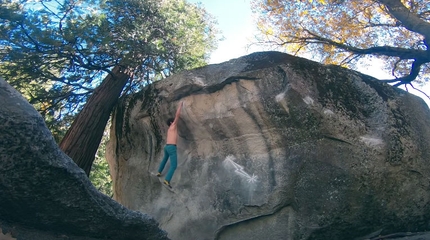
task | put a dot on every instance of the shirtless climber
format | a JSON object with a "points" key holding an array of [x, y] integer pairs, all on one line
{"points": [[170, 148]]}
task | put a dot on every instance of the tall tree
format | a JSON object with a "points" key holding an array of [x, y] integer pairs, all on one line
{"points": [[61, 53], [344, 31], [85, 134]]}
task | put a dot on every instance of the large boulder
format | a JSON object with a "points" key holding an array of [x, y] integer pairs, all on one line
{"points": [[273, 146], [44, 195]]}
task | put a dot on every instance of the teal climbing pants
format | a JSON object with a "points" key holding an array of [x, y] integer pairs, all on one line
{"points": [[169, 152]]}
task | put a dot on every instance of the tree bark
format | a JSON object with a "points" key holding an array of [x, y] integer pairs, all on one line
{"points": [[410, 20], [83, 138]]}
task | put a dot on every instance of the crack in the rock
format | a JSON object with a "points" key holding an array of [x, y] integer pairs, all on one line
{"points": [[276, 209], [194, 89]]}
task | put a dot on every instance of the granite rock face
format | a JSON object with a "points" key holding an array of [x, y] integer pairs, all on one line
{"points": [[44, 195], [273, 146]]}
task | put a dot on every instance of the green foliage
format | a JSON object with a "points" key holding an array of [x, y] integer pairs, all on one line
{"points": [[100, 176], [57, 52], [100, 173]]}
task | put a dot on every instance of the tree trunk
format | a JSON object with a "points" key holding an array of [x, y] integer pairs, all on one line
{"points": [[83, 138]]}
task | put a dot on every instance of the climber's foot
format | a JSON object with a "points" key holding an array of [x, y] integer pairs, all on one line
{"points": [[158, 174], [167, 183]]}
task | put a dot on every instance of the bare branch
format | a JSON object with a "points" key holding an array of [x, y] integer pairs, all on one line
{"points": [[420, 91], [410, 20], [383, 50], [415, 70]]}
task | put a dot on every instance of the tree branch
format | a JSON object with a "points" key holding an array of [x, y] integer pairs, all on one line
{"points": [[419, 56], [420, 91], [409, 20], [415, 70], [402, 53]]}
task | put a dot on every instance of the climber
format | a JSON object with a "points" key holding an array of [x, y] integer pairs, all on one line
{"points": [[170, 148]]}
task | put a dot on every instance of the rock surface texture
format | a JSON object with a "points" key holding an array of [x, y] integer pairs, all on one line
{"points": [[44, 195], [276, 147]]}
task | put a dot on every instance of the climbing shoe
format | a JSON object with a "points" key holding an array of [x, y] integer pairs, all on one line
{"points": [[158, 174], [167, 183]]}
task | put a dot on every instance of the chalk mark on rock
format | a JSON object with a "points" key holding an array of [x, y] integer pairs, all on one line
{"points": [[239, 170]]}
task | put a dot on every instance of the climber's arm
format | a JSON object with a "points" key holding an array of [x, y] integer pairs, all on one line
{"points": [[178, 112]]}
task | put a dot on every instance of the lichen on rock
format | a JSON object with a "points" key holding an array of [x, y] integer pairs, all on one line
{"points": [[44, 195], [273, 146]]}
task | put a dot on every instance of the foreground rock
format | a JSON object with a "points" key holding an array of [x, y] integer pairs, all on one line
{"points": [[276, 147], [44, 195]]}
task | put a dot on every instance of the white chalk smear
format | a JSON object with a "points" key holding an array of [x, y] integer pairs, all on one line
{"points": [[279, 97], [308, 100], [229, 161], [371, 141]]}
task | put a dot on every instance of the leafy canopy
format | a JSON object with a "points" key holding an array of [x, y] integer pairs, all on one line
{"points": [[344, 31], [57, 51]]}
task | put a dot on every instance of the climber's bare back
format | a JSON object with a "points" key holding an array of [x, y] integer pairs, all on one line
{"points": [[172, 134]]}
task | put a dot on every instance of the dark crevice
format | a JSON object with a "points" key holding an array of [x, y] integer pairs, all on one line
{"points": [[277, 209], [336, 139], [284, 77], [193, 89]]}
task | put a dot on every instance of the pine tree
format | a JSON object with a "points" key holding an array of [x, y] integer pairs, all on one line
{"points": [[74, 59]]}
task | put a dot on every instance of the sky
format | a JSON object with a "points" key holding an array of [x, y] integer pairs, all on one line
{"points": [[236, 22]]}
